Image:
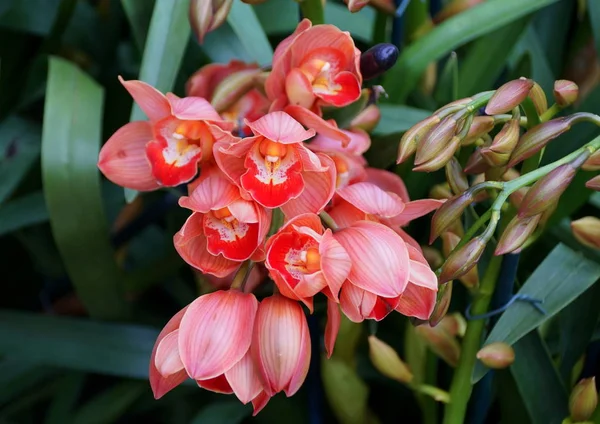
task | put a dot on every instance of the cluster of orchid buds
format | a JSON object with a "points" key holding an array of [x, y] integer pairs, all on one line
{"points": [[274, 188], [470, 126]]}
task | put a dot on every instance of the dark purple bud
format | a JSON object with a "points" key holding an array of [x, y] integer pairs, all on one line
{"points": [[377, 60]]}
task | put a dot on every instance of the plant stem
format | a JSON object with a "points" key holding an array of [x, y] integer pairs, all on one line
{"points": [[242, 275], [313, 10], [461, 387], [328, 221]]}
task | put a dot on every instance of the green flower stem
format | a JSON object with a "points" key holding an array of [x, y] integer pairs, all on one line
{"points": [[461, 387], [277, 219], [551, 112], [533, 119], [242, 275], [313, 10], [328, 221]]}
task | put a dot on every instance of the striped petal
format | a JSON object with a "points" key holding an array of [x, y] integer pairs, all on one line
{"points": [[280, 127], [213, 190], [244, 379], [356, 303], [332, 327], [388, 181], [335, 263], [372, 200], [154, 104], [312, 120]]}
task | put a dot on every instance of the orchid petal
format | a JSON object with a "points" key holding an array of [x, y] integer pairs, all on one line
{"points": [[244, 379], [356, 303], [335, 263], [311, 120], [372, 200], [281, 128], [217, 384], [213, 190], [154, 104], [416, 209], [388, 181], [167, 359], [332, 327], [193, 109], [417, 301]]}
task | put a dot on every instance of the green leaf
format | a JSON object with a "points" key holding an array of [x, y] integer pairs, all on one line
{"points": [[230, 412], [23, 212], [594, 12], [557, 281], [277, 16], [77, 344], [486, 58], [108, 406], [19, 150], [139, 14], [396, 118], [167, 39], [540, 67], [70, 145], [246, 26], [541, 389], [360, 25], [61, 407], [18, 376], [456, 31], [35, 16]]}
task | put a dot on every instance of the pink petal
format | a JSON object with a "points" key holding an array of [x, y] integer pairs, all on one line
{"points": [[380, 262], [309, 220], [422, 275], [123, 158], [372, 200], [299, 89], [281, 345], [244, 211], [310, 161], [416, 209], [417, 302], [388, 181], [345, 214], [218, 384], [356, 303], [215, 332], [191, 244], [244, 379], [280, 127], [332, 327], [310, 285], [213, 190], [359, 143], [154, 104], [161, 385], [335, 263], [312, 120], [259, 402], [410, 242], [167, 359], [193, 109], [230, 157], [319, 188]]}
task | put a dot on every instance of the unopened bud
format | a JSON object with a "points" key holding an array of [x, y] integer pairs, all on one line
{"points": [[476, 164], [509, 96], [481, 125], [453, 106], [232, 88], [593, 162], [440, 191], [454, 324], [496, 355], [442, 157], [498, 153], [413, 137], [546, 191], [583, 400], [356, 5], [516, 233], [386, 361], [378, 59], [449, 212], [442, 303], [449, 241], [432, 256], [456, 177], [547, 214], [538, 97], [207, 15], [594, 183], [565, 92], [440, 342], [436, 140], [462, 260], [367, 119], [587, 231], [537, 138]]}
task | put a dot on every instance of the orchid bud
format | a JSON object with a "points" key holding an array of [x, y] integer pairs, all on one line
{"points": [[498, 153], [386, 361], [233, 88], [481, 125], [462, 260], [594, 183], [456, 177], [516, 233], [537, 138], [547, 214], [432, 256], [583, 400], [454, 324], [538, 97], [442, 157], [440, 191], [593, 162], [476, 164], [546, 191], [509, 96], [449, 241], [440, 342], [412, 138], [436, 140], [587, 231], [452, 106], [356, 5], [444, 295], [497, 355], [449, 212], [367, 119], [207, 15], [377, 60], [565, 92]]}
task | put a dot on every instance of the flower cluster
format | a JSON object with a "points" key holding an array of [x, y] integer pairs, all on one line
{"points": [[253, 147]]}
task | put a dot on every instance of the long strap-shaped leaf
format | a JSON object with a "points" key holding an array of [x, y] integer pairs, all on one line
{"points": [[454, 32], [70, 145]]}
